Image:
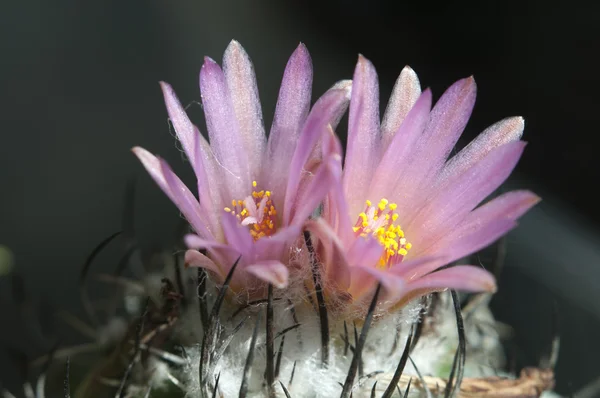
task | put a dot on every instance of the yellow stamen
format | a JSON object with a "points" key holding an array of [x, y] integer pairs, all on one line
{"points": [[264, 224], [379, 221], [382, 204]]}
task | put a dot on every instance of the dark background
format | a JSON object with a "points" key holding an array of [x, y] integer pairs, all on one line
{"points": [[79, 89]]}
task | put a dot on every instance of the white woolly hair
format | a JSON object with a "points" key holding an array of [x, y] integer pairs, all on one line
{"points": [[302, 347], [301, 354], [432, 355]]}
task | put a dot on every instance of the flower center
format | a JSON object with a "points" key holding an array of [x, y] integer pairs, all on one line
{"points": [[256, 211], [379, 221]]}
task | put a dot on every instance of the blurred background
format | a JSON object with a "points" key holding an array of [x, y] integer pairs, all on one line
{"points": [[80, 88]]}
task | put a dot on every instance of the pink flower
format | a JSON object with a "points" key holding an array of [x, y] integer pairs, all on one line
{"points": [[254, 194], [402, 210]]}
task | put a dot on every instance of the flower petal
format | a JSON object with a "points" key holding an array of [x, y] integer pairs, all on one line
{"points": [[469, 241], [362, 148], [332, 253], [411, 269], [222, 254], [393, 285], [327, 111], [449, 117], [314, 189], [199, 155], [193, 258], [486, 224], [292, 109], [396, 278], [335, 206], [193, 241], [364, 252], [498, 134], [212, 186], [237, 236], [176, 190], [185, 130], [450, 205], [510, 206], [317, 152], [241, 81], [273, 272], [276, 246], [407, 90], [389, 179], [335, 211], [362, 285], [465, 278], [223, 130], [185, 200]]}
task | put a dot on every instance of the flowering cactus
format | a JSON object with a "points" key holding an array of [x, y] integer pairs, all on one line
{"points": [[401, 210], [393, 216], [337, 249], [254, 194]]}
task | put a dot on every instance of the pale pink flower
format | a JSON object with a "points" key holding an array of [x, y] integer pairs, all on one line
{"points": [[402, 210], [254, 194]]}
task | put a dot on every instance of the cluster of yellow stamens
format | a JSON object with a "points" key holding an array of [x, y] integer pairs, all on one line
{"points": [[378, 221], [257, 211]]}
